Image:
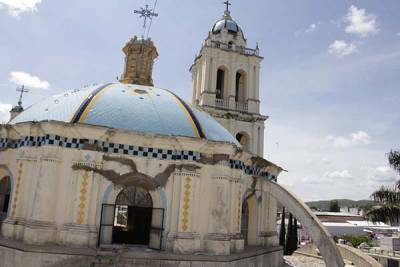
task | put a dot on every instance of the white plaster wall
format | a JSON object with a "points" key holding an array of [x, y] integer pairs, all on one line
{"points": [[48, 208]]}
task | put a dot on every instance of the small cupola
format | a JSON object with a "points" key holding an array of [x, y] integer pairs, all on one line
{"points": [[226, 23], [140, 54]]}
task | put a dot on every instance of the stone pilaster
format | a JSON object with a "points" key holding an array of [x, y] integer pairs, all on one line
{"points": [[186, 239]]}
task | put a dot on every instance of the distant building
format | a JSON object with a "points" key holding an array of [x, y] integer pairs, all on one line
{"points": [[342, 223], [352, 210]]}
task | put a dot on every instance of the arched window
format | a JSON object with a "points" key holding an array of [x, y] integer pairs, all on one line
{"points": [[5, 192], [244, 224], [240, 87], [135, 197], [243, 139], [220, 83]]}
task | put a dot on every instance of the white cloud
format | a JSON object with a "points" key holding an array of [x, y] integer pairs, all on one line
{"points": [[5, 112], [381, 175], [313, 180], [16, 7], [311, 28], [326, 161], [338, 174], [340, 48], [23, 78], [359, 22], [357, 138]]}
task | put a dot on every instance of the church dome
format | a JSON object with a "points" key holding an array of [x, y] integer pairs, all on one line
{"points": [[226, 23], [128, 107], [229, 24]]}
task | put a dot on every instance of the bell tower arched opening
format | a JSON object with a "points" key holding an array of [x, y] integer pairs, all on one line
{"points": [[133, 216], [240, 87], [221, 83]]}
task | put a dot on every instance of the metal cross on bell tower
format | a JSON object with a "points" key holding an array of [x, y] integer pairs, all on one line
{"points": [[146, 14], [22, 90]]}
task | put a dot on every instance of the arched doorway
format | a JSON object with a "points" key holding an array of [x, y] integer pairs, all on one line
{"points": [[133, 215], [248, 226], [5, 193]]}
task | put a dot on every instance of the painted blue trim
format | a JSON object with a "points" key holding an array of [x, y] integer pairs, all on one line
{"points": [[106, 195], [78, 114], [164, 202], [194, 118]]}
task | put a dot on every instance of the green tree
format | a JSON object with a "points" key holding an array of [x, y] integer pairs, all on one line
{"points": [[295, 237], [289, 236], [387, 208], [394, 160], [334, 206], [282, 232]]}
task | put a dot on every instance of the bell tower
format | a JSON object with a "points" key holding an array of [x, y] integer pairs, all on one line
{"points": [[225, 83]]}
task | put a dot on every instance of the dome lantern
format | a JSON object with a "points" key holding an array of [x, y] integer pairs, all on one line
{"points": [[140, 54]]}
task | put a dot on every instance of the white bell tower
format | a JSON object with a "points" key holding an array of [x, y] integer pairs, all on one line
{"points": [[225, 82]]}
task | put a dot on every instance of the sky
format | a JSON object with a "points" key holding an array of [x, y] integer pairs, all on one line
{"points": [[329, 80]]}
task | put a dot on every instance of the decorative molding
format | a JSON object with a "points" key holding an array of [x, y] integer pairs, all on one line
{"points": [[218, 237], [188, 235], [239, 208], [90, 164], [79, 228], [50, 159], [100, 146], [27, 159], [227, 178], [186, 174], [124, 149], [17, 187], [268, 234], [82, 198], [186, 204], [36, 224], [15, 221]]}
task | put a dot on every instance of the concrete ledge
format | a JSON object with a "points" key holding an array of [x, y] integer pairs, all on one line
{"points": [[140, 253], [357, 257]]}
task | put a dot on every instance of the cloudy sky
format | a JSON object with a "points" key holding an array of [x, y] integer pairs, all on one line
{"points": [[330, 78]]}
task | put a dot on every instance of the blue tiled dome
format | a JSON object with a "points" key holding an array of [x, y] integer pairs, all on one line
{"points": [[130, 107]]}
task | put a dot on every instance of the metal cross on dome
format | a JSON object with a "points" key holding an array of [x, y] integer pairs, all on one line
{"points": [[227, 5], [22, 90], [146, 13]]}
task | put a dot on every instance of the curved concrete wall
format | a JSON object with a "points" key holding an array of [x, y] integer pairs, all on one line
{"points": [[319, 234], [357, 257]]}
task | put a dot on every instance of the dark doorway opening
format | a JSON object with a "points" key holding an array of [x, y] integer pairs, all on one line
{"points": [[220, 84], [133, 217], [5, 193], [137, 229], [244, 230]]}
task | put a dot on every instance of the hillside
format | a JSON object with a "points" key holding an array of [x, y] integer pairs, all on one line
{"points": [[323, 205]]}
